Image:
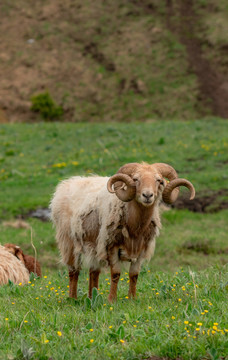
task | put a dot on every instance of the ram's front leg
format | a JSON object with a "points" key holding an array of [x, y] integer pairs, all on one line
{"points": [[93, 280], [73, 282], [115, 274], [133, 276]]}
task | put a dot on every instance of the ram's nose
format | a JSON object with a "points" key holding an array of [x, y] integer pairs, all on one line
{"points": [[148, 195]]}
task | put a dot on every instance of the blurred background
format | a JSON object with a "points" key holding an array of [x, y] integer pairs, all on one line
{"points": [[83, 60], [87, 86]]}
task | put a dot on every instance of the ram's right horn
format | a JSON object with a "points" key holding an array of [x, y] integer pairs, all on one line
{"points": [[125, 192]]}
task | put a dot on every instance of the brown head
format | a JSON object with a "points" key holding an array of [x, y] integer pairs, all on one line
{"points": [[16, 251], [29, 261], [145, 183]]}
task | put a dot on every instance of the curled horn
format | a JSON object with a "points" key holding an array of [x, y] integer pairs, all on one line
{"points": [[121, 193], [171, 191]]}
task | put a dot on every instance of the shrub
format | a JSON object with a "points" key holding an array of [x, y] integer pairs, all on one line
{"points": [[45, 105]]}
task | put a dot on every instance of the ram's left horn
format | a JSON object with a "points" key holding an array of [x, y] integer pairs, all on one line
{"points": [[171, 191]]}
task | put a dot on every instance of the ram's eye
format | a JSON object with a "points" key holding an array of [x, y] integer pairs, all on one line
{"points": [[135, 179], [160, 181]]}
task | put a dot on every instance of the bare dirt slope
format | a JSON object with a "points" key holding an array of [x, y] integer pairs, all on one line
{"points": [[114, 60]]}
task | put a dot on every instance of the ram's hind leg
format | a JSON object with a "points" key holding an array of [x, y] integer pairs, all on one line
{"points": [[74, 266], [93, 280], [115, 274]]}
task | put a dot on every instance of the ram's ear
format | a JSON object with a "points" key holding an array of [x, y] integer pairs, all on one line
{"points": [[19, 254], [125, 233]]}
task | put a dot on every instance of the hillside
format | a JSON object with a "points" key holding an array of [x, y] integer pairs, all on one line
{"points": [[115, 60]]}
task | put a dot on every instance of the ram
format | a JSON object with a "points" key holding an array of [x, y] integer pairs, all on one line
{"points": [[110, 220]]}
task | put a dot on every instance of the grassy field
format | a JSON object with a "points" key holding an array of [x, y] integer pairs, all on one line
{"points": [[179, 315], [181, 308]]}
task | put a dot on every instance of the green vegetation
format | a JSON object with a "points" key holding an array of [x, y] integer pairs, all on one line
{"points": [[46, 107], [180, 310], [178, 315], [33, 158]]}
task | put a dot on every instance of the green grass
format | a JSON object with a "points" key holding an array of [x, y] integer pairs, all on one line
{"points": [[182, 314], [191, 252], [186, 239], [33, 158]]}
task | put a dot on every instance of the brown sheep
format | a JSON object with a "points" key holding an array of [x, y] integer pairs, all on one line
{"points": [[29, 261], [12, 268]]}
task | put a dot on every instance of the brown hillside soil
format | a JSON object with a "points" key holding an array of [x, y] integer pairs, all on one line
{"points": [[213, 85], [112, 60]]}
